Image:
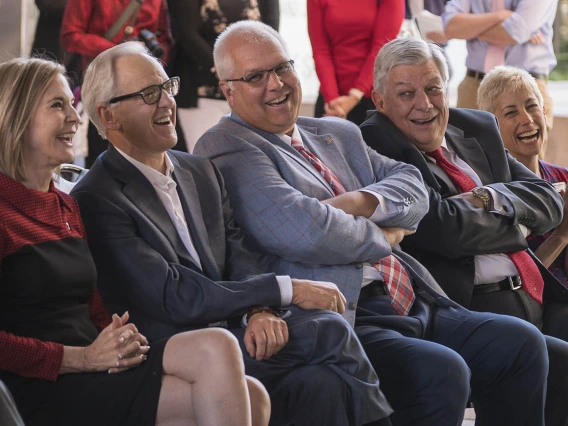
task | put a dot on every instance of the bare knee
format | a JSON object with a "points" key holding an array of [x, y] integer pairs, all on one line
{"points": [[259, 401]]}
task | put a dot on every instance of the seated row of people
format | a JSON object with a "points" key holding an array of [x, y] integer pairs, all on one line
{"points": [[315, 203]]}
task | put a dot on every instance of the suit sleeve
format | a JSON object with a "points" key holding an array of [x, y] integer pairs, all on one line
{"points": [[166, 290], [281, 220], [454, 228], [401, 184]]}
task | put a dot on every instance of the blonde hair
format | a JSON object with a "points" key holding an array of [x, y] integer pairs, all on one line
{"points": [[23, 81], [501, 80]]}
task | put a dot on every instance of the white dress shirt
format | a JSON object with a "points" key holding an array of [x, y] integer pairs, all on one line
{"points": [[166, 190]]}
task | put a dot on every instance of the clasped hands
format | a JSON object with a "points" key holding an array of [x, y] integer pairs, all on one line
{"points": [[117, 348]]}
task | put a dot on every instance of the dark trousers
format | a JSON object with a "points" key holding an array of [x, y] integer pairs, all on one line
{"points": [[357, 115], [8, 414], [552, 318], [321, 376], [497, 361]]}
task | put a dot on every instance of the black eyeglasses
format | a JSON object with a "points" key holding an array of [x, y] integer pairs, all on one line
{"points": [[152, 94], [262, 76]]}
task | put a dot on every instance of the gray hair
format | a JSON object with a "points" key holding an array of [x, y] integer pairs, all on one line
{"points": [[503, 79], [407, 51], [251, 32], [99, 82]]}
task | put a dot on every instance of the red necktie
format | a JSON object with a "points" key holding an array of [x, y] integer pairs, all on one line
{"points": [[395, 276], [323, 170], [528, 271]]}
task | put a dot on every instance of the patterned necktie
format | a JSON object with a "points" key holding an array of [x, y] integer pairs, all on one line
{"points": [[495, 54], [526, 267], [323, 170], [395, 276]]}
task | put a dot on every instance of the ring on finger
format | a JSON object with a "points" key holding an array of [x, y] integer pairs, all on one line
{"points": [[144, 357]]}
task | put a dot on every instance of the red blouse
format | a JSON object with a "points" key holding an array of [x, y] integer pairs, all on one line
{"points": [[31, 217], [346, 37], [86, 21]]}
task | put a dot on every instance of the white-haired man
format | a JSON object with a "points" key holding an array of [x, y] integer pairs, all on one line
{"points": [[321, 204], [167, 249], [482, 201]]}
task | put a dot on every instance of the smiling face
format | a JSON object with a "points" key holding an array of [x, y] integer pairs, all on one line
{"points": [[48, 140], [522, 123], [138, 129], [274, 104], [414, 99]]}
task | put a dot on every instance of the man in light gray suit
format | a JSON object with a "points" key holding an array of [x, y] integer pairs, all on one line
{"points": [[167, 249], [322, 205]]}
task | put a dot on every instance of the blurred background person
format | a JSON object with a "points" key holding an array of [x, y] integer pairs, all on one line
{"points": [[345, 41], [46, 40], [62, 357], [83, 30], [195, 26], [513, 95]]}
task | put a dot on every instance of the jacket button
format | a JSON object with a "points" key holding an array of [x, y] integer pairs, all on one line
{"points": [[358, 265], [351, 306]]}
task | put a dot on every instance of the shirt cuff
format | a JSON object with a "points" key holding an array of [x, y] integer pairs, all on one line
{"points": [[501, 205], [385, 208], [285, 284]]}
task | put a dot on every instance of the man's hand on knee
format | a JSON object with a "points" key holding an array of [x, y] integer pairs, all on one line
{"points": [[317, 295]]}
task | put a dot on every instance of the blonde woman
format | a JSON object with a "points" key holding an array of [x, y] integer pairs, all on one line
{"points": [[64, 359]]}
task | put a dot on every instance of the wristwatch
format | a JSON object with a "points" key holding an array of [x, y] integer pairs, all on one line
{"points": [[484, 195]]}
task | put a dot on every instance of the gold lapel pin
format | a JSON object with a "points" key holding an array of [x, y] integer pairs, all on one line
{"points": [[328, 140]]}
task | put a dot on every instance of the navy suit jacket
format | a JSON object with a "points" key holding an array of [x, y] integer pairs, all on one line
{"points": [[142, 264], [453, 231]]}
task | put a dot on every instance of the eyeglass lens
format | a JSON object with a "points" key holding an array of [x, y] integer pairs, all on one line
{"points": [[153, 93]]}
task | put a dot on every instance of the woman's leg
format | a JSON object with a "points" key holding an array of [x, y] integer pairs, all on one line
{"points": [[204, 382], [259, 402]]}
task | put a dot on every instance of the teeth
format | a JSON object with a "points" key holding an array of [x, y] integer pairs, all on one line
{"points": [[66, 135], [275, 101], [424, 121], [528, 134], [163, 120]]}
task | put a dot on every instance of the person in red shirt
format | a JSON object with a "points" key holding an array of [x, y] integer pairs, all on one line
{"points": [[84, 25], [345, 41]]}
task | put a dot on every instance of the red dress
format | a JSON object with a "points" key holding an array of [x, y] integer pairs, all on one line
{"points": [[48, 299], [346, 37]]}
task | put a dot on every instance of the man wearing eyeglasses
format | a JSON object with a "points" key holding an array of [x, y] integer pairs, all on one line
{"points": [[167, 249], [321, 204]]}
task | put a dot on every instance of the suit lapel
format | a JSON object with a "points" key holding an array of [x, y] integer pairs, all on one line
{"points": [[189, 198], [142, 194], [469, 150], [307, 133]]}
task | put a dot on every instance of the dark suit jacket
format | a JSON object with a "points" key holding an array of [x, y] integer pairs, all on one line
{"points": [[453, 231], [142, 264]]}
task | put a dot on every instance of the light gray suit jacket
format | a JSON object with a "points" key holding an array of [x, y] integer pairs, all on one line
{"points": [[275, 193]]}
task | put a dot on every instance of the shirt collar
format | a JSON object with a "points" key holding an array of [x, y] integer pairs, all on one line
{"points": [[288, 139], [155, 177]]}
